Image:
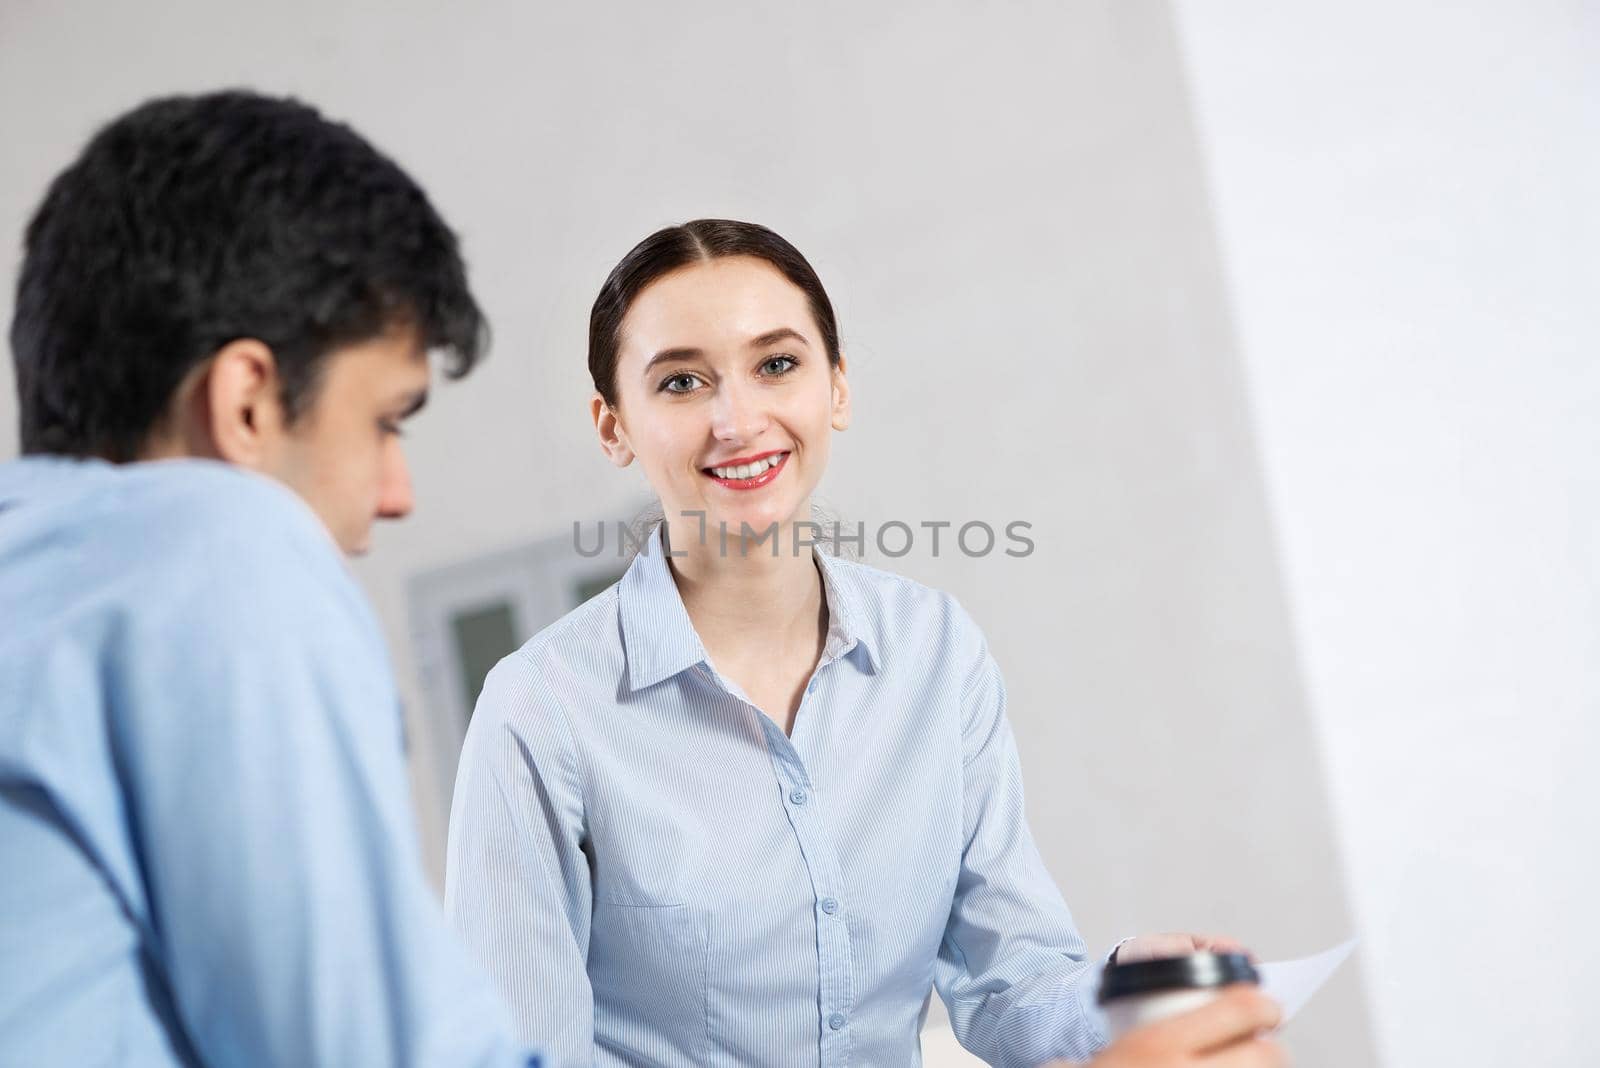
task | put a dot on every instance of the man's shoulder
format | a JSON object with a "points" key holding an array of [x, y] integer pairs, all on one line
{"points": [[154, 500], [188, 539], [207, 514], [172, 586], [237, 536], [199, 499]]}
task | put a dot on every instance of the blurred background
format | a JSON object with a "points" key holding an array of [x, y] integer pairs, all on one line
{"points": [[1278, 322]]}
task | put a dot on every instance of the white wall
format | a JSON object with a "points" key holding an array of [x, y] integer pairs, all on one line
{"points": [[1406, 199], [1007, 204]]}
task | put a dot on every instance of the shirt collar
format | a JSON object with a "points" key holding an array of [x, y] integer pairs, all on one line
{"points": [[660, 641], [657, 635], [849, 626]]}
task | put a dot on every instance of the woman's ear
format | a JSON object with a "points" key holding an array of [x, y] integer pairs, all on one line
{"points": [[841, 396], [237, 404], [613, 438]]}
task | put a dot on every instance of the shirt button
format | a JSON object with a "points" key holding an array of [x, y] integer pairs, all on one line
{"points": [[836, 1021], [810, 686], [830, 906], [798, 796]]}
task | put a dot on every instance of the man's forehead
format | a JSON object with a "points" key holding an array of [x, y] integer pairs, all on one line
{"points": [[392, 353], [391, 370]]}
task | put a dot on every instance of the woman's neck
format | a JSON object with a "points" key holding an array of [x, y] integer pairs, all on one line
{"points": [[751, 600]]}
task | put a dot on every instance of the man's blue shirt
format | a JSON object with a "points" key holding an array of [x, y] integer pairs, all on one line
{"points": [[208, 854]]}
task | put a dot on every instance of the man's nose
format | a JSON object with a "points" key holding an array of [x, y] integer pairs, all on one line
{"points": [[395, 500]]}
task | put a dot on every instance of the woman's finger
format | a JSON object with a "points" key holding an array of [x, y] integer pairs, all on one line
{"points": [[1255, 1053], [1223, 944], [1240, 1013]]}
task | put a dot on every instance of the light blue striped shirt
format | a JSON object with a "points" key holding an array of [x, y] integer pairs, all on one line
{"points": [[206, 847], [657, 875]]}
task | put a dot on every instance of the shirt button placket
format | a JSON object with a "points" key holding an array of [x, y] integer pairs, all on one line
{"points": [[833, 948]]}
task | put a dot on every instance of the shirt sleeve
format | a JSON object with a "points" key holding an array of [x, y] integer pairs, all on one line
{"points": [[260, 755], [1012, 970], [517, 885]]}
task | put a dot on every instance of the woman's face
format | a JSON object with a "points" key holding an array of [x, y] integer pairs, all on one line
{"points": [[725, 395]]}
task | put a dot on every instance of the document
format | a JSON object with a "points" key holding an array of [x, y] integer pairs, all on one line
{"points": [[1292, 982]]}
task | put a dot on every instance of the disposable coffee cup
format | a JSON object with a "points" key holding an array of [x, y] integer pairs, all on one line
{"points": [[1142, 992]]}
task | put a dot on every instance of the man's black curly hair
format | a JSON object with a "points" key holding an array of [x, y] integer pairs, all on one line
{"points": [[193, 221]]}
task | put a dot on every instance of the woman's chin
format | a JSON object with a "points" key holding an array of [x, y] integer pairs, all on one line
{"points": [[756, 525]]}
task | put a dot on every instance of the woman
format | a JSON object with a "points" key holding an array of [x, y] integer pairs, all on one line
{"points": [[748, 805]]}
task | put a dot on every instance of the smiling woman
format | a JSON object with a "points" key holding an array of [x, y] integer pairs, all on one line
{"points": [[716, 363], [748, 805]]}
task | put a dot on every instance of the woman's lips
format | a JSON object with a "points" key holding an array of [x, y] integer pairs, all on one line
{"points": [[753, 482]]}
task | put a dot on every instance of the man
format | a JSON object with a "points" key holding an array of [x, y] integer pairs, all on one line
{"points": [[224, 314], [203, 806]]}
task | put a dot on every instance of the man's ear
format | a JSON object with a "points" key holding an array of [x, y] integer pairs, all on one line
{"points": [[613, 439], [841, 396], [243, 406]]}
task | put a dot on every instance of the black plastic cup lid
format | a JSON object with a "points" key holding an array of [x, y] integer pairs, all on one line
{"points": [[1196, 971]]}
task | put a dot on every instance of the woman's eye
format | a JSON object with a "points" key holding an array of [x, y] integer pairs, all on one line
{"points": [[678, 384], [390, 427], [778, 365]]}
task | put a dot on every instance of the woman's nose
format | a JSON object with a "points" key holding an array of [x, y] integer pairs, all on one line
{"points": [[737, 414]]}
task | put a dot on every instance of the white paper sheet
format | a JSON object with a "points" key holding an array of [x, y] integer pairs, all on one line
{"points": [[1292, 982]]}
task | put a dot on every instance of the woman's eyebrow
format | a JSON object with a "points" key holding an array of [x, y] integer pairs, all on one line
{"points": [[668, 355], [761, 341], [772, 337]]}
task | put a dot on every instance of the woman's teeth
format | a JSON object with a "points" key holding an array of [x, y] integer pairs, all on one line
{"points": [[748, 470]]}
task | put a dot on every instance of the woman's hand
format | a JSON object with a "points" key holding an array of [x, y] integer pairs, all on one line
{"points": [[1222, 1034], [1156, 946]]}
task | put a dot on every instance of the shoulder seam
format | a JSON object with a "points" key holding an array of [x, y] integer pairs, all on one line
{"points": [[559, 628], [536, 678]]}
